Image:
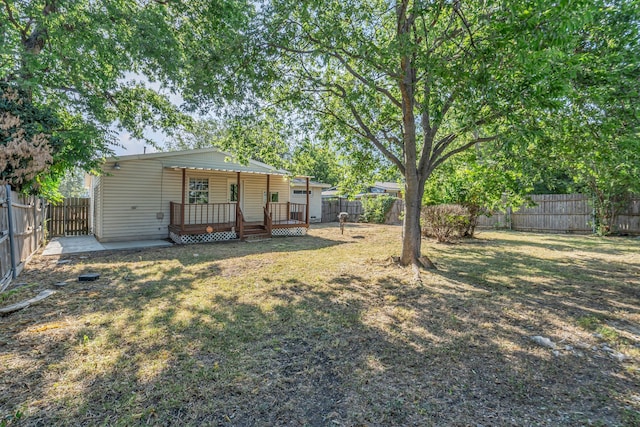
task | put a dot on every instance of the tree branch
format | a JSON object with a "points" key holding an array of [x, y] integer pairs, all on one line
{"points": [[375, 140], [456, 9], [358, 76], [14, 22], [461, 149]]}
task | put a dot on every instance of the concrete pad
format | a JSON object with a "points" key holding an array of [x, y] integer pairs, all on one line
{"points": [[79, 244], [72, 245]]}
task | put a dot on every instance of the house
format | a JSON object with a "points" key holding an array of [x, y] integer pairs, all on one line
{"points": [[193, 196], [299, 192], [391, 188]]}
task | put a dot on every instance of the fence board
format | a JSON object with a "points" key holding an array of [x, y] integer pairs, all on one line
{"points": [[562, 213], [332, 207], [28, 231], [69, 218], [5, 257]]}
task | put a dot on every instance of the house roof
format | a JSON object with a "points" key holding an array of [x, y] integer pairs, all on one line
{"points": [[389, 186], [206, 159], [302, 182], [385, 186], [330, 193]]}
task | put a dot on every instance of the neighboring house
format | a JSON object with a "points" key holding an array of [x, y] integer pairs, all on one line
{"points": [[193, 196], [299, 193], [391, 188]]}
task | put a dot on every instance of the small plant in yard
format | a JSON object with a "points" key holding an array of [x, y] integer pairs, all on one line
{"points": [[376, 208], [444, 222], [10, 419]]}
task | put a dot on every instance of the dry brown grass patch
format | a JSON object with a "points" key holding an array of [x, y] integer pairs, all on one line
{"points": [[326, 330]]}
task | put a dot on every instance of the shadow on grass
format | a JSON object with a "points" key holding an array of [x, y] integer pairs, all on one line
{"points": [[170, 343]]}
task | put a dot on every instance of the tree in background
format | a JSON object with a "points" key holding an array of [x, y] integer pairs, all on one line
{"points": [[72, 184], [591, 144], [98, 64], [27, 138], [269, 136], [418, 82], [317, 160], [479, 184], [257, 136], [602, 122]]}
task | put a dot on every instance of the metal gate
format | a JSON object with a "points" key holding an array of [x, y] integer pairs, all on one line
{"points": [[69, 218]]}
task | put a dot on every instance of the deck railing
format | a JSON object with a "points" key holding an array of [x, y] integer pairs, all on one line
{"points": [[239, 221], [201, 214], [288, 213], [268, 223]]}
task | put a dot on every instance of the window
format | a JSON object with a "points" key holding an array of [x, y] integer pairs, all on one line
{"points": [[274, 197], [233, 192], [198, 190], [301, 192]]}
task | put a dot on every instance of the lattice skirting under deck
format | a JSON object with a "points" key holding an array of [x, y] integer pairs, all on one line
{"points": [[229, 235], [297, 231], [203, 238]]}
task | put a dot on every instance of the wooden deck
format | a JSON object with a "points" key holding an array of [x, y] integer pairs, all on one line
{"points": [[226, 217], [200, 228], [189, 229]]}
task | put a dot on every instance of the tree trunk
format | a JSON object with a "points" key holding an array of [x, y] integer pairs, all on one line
{"points": [[411, 231]]}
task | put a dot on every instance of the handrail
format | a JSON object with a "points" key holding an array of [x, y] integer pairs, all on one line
{"points": [[268, 221], [288, 213], [201, 214], [239, 222]]}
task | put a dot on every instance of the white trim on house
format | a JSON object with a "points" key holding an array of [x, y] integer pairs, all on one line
{"points": [[194, 168], [252, 166]]}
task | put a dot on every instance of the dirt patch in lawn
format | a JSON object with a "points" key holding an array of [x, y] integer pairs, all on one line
{"points": [[325, 330]]}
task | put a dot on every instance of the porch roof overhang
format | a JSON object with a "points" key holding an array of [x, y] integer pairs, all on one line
{"points": [[234, 170]]}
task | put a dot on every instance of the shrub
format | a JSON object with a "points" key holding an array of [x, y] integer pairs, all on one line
{"points": [[445, 222], [376, 208]]}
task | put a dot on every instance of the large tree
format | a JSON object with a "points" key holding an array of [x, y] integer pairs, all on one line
{"points": [[419, 81], [100, 65], [601, 124]]}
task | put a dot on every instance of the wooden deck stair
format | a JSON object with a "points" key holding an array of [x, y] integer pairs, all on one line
{"points": [[255, 232]]}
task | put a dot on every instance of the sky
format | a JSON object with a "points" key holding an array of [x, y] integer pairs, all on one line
{"points": [[135, 146], [131, 145]]}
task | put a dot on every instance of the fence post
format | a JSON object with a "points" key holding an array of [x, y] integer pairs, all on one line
{"points": [[44, 210], [14, 270], [35, 223]]}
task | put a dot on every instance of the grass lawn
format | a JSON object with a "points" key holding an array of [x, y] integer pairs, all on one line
{"points": [[325, 330]]}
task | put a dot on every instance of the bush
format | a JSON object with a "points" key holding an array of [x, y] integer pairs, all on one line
{"points": [[376, 208], [445, 222]]}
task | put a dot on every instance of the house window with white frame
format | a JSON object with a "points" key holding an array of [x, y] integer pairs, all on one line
{"points": [[233, 192], [198, 191], [274, 197]]}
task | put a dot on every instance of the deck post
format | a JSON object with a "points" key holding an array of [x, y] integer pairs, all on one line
{"points": [[268, 192], [239, 219], [184, 184], [288, 211], [306, 219]]}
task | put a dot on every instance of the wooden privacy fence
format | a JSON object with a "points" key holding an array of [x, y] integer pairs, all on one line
{"points": [[69, 218], [21, 232], [562, 213], [332, 207]]}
